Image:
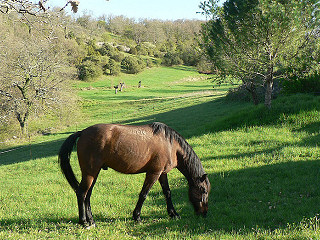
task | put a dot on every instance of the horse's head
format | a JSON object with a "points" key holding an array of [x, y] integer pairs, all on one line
{"points": [[198, 195]]}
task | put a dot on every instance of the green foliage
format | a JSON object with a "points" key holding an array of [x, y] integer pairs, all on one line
{"points": [[141, 50], [309, 84], [91, 48], [205, 66], [117, 56], [256, 40], [171, 58], [132, 65], [113, 67], [88, 70], [107, 49], [189, 54], [121, 48], [133, 51]]}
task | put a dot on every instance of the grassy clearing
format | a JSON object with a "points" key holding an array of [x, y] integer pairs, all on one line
{"points": [[263, 166]]}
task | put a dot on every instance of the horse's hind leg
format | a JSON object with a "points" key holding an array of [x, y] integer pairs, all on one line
{"points": [[151, 178], [163, 179], [82, 192], [89, 217]]}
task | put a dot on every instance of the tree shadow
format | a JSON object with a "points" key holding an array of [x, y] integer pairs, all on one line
{"points": [[31, 151], [190, 121], [268, 197]]}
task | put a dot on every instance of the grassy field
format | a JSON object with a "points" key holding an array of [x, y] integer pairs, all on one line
{"points": [[263, 166]]}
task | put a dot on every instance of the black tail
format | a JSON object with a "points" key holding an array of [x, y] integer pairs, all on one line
{"points": [[64, 159]]}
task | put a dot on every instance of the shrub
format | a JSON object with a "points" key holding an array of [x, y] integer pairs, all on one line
{"points": [[117, 56], [309, 84], [170, 59], [88, 70], [142, 50], [131, 65], [121, 48], [204, 66], [107, 49], [190, 55], [113, 67]]}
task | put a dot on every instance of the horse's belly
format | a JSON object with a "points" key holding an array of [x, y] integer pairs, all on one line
{"points": [[129, 160]]}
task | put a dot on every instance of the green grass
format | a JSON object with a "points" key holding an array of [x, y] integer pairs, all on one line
{"points": [[263, 166]]}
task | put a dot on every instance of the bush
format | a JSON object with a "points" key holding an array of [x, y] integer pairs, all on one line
{"points": [[107, 49], [149, 63], [132, 65], [310, 84], [204, 66], [113, 67], [171, 59], [142, 50], [121, 48], [117, 56], [88, 70], [190, 55]]}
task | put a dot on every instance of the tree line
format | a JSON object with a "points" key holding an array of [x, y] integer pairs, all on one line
{"points": [[40, 52], [264, 43]]}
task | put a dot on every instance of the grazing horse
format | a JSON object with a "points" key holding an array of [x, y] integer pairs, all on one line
{"points": [[154, 149]]}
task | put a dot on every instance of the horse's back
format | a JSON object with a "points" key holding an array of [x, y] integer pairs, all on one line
{"points": [[125, 148]]}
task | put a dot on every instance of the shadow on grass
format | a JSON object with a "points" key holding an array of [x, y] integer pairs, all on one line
{"points": [[196, 120], [29, 152], [190, 121], [184, 120], [268, 197]]}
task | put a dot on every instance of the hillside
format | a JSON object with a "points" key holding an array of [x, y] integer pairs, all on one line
{"points": [[263, 166]]}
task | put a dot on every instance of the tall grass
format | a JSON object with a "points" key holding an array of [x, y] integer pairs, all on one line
{"points": [[263, 166]]}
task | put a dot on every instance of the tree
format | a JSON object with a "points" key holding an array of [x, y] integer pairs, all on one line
{"points": [[32, 77], [26, 7], [171, 58], [113, 66], [131, 65], [255, 40]]}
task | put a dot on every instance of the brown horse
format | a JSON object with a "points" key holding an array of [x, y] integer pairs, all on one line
{"points": [[154, 149]]}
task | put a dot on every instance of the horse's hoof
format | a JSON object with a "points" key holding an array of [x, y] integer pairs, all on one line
{"points": [[174, 215], [137, 218], [90, 226]]}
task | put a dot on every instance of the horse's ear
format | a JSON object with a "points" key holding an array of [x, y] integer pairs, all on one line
{"points": [[203, 178]]}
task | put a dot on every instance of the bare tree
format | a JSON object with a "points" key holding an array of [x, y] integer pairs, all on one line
{"points": [[26, 7], [33, 71]]}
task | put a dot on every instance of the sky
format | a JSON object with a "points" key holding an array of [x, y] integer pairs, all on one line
{"points": [[138, 9]]}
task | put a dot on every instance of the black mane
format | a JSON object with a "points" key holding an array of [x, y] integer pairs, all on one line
{"points": [[191, 160]]}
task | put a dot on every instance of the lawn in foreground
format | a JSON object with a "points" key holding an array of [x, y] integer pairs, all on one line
{"points": [[264, 176]]}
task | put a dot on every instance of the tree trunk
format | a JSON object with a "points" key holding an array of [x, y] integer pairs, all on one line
{"points": [[23, 121], [254, 95], [23, 128], [269, 86], [251, 87]]}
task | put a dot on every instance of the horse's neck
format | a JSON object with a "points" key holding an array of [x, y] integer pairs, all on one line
{"points": [[187, 175], [190, 175]]}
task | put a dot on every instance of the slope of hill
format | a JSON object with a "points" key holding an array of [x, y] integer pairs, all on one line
{"points": [[263, 166]]}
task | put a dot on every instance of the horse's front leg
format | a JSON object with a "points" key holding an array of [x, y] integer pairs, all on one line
{"points": [[163, 179], [151, 178]]}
